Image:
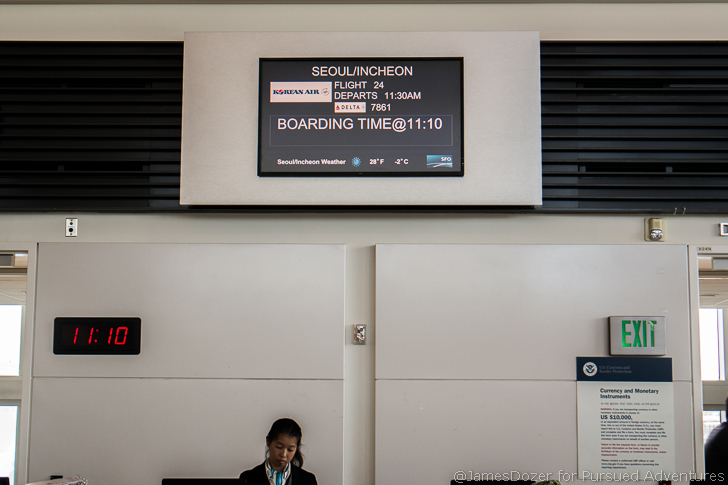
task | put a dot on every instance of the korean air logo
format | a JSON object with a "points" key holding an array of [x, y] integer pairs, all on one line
{"points": [[590, 369], [300, 92]]}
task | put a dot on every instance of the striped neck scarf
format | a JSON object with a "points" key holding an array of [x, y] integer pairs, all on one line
{"points": [[275, 478]]}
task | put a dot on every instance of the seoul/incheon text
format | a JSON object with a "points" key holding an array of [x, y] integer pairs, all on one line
{"points": [[361, 71]]}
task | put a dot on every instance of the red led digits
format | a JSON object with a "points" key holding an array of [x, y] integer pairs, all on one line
{"points": [[116, 340], [117, 336]]}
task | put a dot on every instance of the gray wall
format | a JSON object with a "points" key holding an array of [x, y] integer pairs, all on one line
{"points": [[236, 335], [358, 232]]}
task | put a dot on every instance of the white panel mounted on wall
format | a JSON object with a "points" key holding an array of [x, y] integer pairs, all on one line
{"points": [[71, 227], [360, 334], [501, 122]]}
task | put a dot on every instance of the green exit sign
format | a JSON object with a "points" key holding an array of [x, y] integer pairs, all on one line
{"points": [[636, 335]]}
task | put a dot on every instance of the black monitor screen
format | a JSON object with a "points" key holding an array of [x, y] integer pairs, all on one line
{"points": [[361, 117]]}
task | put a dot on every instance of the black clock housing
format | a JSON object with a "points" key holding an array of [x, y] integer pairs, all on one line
{"points": [[97, 335]]}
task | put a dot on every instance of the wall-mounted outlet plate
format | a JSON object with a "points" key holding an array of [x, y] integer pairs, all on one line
{"points": [[360, 334], [655, 230], [71, 227]]}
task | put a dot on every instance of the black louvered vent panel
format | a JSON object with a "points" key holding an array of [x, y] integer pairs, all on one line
{"points": [[90, 125], [627, 126], [635, 126]]}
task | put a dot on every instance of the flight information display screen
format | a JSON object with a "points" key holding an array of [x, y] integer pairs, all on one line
{"points": [[361, 117]]}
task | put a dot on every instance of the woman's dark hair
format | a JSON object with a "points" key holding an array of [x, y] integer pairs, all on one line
{"points": [[291, 428]]}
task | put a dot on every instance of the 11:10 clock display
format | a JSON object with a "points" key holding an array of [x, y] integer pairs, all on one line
{"points": [[97, 335]]}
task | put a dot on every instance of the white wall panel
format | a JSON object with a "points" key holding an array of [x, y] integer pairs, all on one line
{"points": [[684, 419], [123, 431], [428, 430], [253, 311], [502, 119], [520, 311]]}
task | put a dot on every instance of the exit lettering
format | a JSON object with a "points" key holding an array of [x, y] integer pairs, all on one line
{"points": [[638, 333]]}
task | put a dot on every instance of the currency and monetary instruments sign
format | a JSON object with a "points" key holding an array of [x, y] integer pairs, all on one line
{"points": [[637, 335], [625, 419]]}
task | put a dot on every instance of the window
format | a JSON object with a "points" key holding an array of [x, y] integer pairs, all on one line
{"points": [[11, 320], [712, 344], [711, 420], [713, 286], [8, 433], [13, 294]]}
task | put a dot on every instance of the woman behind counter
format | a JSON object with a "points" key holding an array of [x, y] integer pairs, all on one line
{"points": [[283, 458]]}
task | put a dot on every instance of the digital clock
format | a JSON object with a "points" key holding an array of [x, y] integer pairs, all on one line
{"points": [[97, 335]]}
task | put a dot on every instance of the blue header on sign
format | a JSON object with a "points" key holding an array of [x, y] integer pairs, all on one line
{"points": [[625, 369]]}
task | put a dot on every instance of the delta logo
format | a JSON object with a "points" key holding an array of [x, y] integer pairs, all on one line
{"points": [[300, 92], [350, 107]]}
